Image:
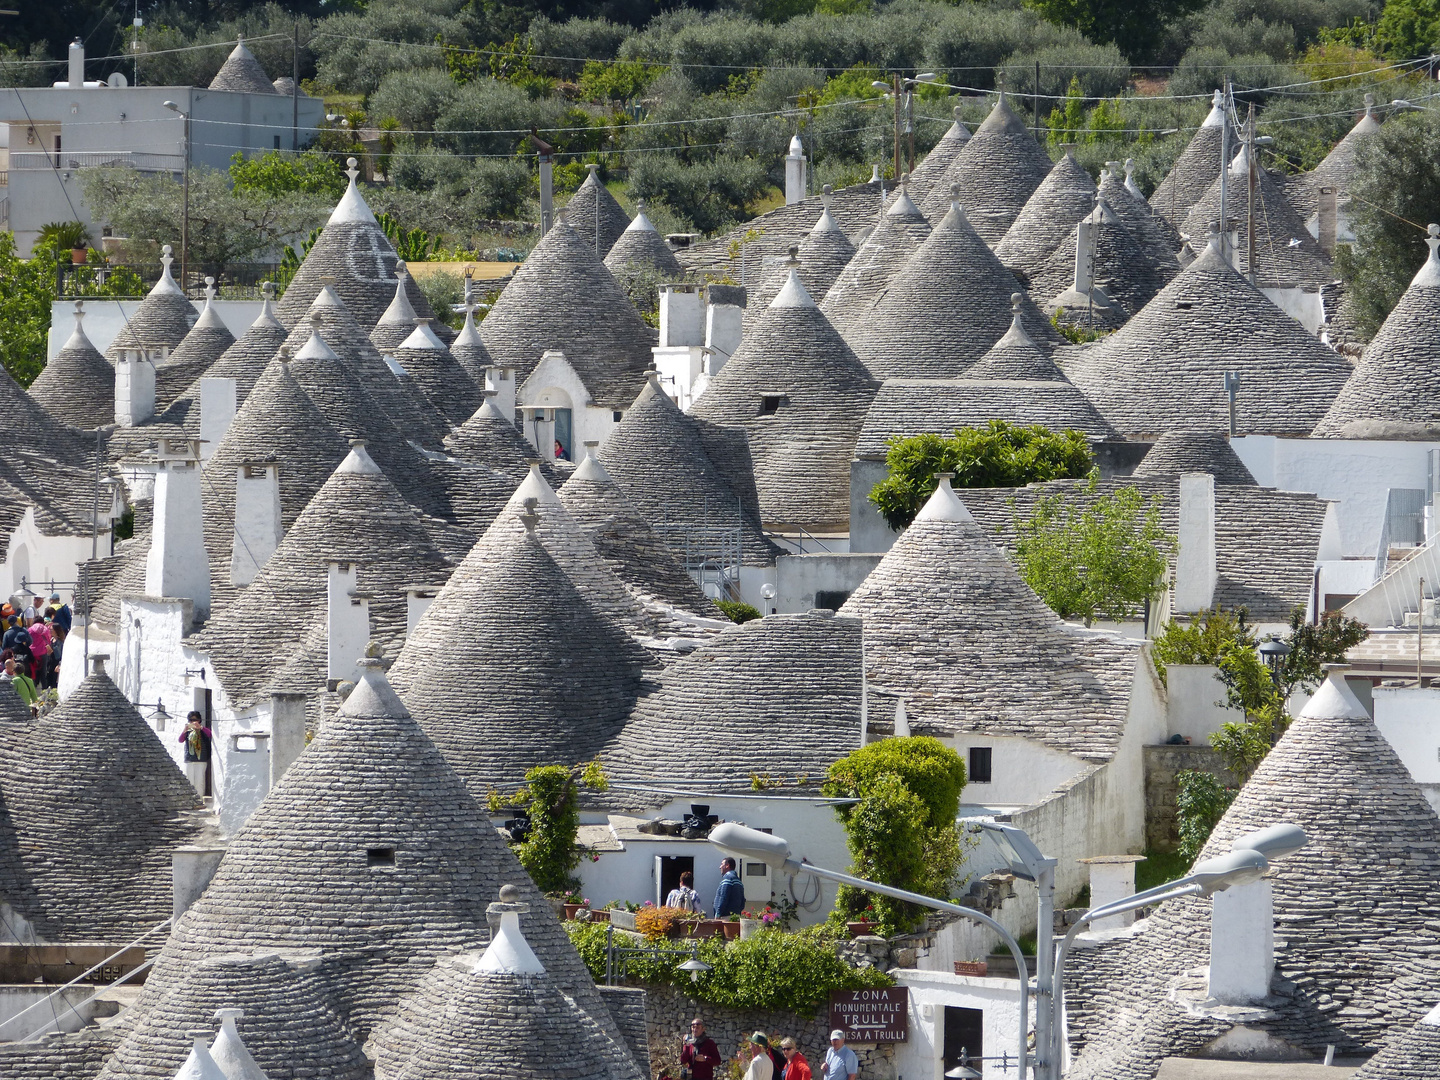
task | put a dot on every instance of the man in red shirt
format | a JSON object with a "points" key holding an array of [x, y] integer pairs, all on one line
{"points": [[700, 1056]]}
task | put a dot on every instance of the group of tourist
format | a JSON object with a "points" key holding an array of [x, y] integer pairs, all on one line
{"points": [[729, 897], [771, 1057], [33, 643]]}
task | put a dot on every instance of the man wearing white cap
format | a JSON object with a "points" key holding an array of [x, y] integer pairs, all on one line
{"points": [[840, 1061]]}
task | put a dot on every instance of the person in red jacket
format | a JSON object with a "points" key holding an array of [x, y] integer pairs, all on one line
{"points": [[796, 1067], [700, 1056]]}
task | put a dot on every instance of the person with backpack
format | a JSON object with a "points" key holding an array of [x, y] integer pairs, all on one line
{"points": [[42, 642], [24, 685]]}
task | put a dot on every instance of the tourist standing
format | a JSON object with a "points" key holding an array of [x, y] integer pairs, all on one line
{"points": [[683, 895], [796, 1067], [700, 1055], [730, 896], [840, 1061], [761, 1067], [196, 738]]}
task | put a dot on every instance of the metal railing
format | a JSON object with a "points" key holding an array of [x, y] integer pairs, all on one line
{"points": [[31, 160]]}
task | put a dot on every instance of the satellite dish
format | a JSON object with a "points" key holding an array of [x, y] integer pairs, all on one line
{"points": [[117, 81]]}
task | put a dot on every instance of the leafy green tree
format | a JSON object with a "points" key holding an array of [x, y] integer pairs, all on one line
{"points": [[1090, 556], [412, 245], [1395, 193], [902, 830], [276, 174], [1408, 28], [1201, 800], [551, 795], [622, 80], [997, 455], [712, 195], [1136, 29]]}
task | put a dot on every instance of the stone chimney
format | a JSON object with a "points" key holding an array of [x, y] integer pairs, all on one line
{"points": [[177, 565], [682, 316], [500, 382], [217, 410], [1195, 571], [134, 389], [1326, 219], [1242, 944], [418, 599], [258, 525], [200, 1065], [1085, 254], [723, 324], [795, 172], [77, 65], [1112, 879], [287, 731], [229, 1051], [1130, 184], [191, 868], [349, 624]]}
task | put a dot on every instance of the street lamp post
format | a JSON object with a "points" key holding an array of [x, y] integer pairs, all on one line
{"points": [[185, 213]]}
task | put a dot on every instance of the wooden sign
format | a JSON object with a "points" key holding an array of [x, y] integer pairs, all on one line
{"points": [[872, 1016]]}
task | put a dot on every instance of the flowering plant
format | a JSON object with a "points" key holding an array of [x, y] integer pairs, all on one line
{"points": [[572, 896]]}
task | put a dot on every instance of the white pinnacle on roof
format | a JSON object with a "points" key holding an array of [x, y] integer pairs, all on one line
{"points": [[267, 318], [1334, 700], [400, 312], [358, 461], [797, 148], [793, 294], [316, 347], [469, 335], [640, 223], [200, 1065], [229, 1050], [209, 317], [78, 339], [590, 468], [423, 337], [902, 205], [1216, 117], [1130, 184], [944, 504], [166, 284], [352, 207], [508, 952], [1428, 276]]}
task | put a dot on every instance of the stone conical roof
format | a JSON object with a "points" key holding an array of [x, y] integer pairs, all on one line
{"points": [[627, 543], [161, 321], [357, 517], [402, 400], [206, 342], [241, 73], [1338, 167], [943, 309], [1164, 369], [823, 255], [930, 172], [1355, 930], [398, 321], [1413, 1054], [243, 361], [489, 438], [1285, 252], [469, 350], [1121, 268], [562, 297], [1015, 355], [581, 210], [800, 394], [355, 251], [1156, 236], [371, 852], [1394, 392], [1178, 452], [900, 232], [998, 170], [513, 667], [77, 387], [792, 679], [640, 246], [951, 627], [1195, 169], [281, 993], [688, 477], [97, 806], [448, 388], [1065, 196]]}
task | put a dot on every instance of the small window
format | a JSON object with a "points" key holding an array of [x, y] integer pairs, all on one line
{"points": [[277, 142], [617, 416], [380, 856], [831, 599], [1184, 305], [770, 404], [980, 765], [756, 869]]}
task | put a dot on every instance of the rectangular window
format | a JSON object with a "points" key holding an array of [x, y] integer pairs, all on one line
{"points": [[831, 599], [770, 404], [277, 142], [756, 869], [617, 416], [964, 1037], [979, 765], [380, 856]]}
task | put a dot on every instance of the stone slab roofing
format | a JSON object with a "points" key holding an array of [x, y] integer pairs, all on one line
{"points": [[241, 73], [898, 235], [1164, 369], [823, 255], [931, 169], [513, 666], [70, 1057], [907, 407], [464, 1021], [1195, 169], [641, 248], [950, 625], [77, 386], [998, 169], [354, 251], [469, 349], [689, 478], [290, 1027], [206, 342], [1178, 452], [1065, 196], [97, 807], [244, 361], [800, 395], [490, 439], [161, 321], [1355, 912], [626, 542], [942, 309], [447, 387], [1337, 169], [1412, 1054], [1159, 239], [597, 218], [1394, 391], [793, 681], [1121, 267], [49, 468], [398, 321], [372, 853], [564, 298]]}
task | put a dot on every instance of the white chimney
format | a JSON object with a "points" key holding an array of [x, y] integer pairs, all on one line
{"points": [[1242, 943], [795, 172], [77, 65], [1085, 255], [229, 1050], [682, 316], [134, 389], [258, 525], [722, 328], [1112, 878], [1195, 571], [217, 410], [177, 565], [200, 1065], [418, 599], [500, 380], [287, 732], [349, 630]]}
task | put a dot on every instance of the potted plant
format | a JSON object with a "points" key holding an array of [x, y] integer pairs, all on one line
{"points": [[731, 927], [71, 235], [706, 928], [749, 923], [865, 923], [976, 968], [622, 914], [573, 903]]}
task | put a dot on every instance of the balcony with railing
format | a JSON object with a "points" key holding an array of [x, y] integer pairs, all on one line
{"points": [[35, 160]]}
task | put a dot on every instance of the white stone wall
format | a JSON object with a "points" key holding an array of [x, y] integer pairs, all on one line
{"points": [[32, 555], [554, 384], [1196, 702], [1409, 718], [149, 662], [921, 1056], [1023, 772]]}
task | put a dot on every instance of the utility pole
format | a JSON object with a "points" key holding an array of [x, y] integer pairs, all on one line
{"points": [[910, 122], [1250, 211], [295, 91], [1225, 171], [1036, 100], [895, 83]]}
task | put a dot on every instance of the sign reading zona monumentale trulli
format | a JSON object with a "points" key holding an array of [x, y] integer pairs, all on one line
{"points": [[872, 1016]]}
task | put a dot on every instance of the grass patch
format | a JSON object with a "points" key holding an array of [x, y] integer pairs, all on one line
{"points": [[1158, 868]]}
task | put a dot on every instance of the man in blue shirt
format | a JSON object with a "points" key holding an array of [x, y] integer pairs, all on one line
{"points": [[730, 896], [840, 1061]]}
